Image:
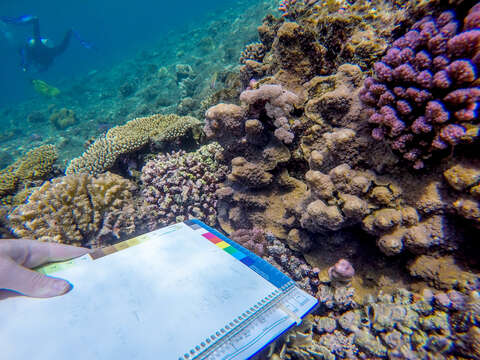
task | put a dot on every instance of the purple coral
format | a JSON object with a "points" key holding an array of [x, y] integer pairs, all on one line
{"points": [[425, 88], [342, 271], [252, 239], [181, 185]]}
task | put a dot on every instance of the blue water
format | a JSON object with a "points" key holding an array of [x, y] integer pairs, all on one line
{"points": [[118, 28]]}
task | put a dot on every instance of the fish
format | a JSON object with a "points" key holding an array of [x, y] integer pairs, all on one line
{"points": [[45, 89], [213, 80]]}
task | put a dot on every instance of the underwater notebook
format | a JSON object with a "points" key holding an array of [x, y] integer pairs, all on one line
{"points": [[181, 292]]}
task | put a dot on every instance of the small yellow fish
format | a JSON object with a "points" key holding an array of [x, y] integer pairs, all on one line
{"points": [[43, 88]]}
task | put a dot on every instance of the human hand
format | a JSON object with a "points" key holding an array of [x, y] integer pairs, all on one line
{"points": [[17, 255]]}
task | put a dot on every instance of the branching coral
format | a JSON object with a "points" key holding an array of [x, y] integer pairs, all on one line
{"points": [[77, 209], [425, 92], [254, 52], [181, 185], [132, 136]]}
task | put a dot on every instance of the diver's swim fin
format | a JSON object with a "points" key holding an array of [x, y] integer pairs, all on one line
{"points": [[85, 44], [24, 19]]}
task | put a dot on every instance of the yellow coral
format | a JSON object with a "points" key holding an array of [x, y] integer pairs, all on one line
{"points": [[63, 118], [135, 134], [76, 209], [8, 181], [35, 165]]}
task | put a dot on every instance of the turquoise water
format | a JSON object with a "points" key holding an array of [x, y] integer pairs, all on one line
{"points": [[130, 72], [117, 28]]}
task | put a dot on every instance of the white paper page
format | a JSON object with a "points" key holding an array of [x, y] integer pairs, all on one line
{"points": [[155, 300]]}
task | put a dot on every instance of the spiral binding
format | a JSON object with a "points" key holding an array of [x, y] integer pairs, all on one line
{"points": [[250, 314]]}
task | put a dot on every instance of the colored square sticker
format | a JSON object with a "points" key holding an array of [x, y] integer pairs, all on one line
{"points": [[235, 253], [222, 244], [247, 261], [212, 238]]}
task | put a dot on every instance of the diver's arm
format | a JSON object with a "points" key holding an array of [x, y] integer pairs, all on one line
{"points": [[25, 19], [36, 29]]}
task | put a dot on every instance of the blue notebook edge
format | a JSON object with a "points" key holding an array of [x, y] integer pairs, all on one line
{"points": [[281, 281]]}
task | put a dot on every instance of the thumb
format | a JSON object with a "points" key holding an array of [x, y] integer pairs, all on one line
{"points": [[31, 283]]}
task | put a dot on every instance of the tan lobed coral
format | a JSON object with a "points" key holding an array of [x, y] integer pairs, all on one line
{"points": [[34, 165], [464, 178], [63, 118], [135, 134], [77, 209]]}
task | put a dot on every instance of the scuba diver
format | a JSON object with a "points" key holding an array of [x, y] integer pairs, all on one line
{"points": [[39, 53]]}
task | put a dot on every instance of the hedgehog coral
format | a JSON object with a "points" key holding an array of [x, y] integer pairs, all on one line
{"points": [[135, 134], [77, 209], [425, 92], [181, 185]]}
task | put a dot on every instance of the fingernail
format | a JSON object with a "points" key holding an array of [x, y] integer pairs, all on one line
{"points": [[62, 286]]}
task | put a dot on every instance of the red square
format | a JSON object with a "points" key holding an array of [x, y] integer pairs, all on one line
{"points": [[212, 238]]}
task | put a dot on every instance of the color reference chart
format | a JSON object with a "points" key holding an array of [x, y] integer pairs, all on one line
{"points": [[248, 258]]}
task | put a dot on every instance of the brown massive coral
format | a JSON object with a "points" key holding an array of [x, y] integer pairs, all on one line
{"points": [[77, 209], [315, 37]]}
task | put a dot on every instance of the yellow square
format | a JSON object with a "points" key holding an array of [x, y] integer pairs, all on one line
{"points": [[222, 244]]}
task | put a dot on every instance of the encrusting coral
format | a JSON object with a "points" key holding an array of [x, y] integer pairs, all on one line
{"points": [[134, 135], [77, 209], [425, 90]]}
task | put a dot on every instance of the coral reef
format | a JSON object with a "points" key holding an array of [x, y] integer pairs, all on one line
{"points": [[253, 52], [402, 325], [78, 209], [290, 261], [63, 118], [424, 91], [341, 272], [321, 35], [35, 165], [135, 134], [464, 178], [180, 186]]}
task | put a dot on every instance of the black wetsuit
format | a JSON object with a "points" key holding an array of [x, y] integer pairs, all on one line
{"points": [[36, 53]]}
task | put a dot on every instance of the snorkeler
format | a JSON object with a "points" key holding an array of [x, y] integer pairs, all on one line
{"points": [[39, 53]]}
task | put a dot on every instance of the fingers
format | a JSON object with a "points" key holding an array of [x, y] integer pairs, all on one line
{"points": [[31, 253], [42, 252], [30, 283]]}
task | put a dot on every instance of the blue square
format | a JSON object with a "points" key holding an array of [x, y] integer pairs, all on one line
{"points": [[247, 260]]}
